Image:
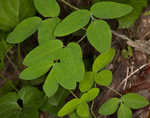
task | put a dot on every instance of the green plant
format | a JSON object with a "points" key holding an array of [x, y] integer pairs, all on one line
{"points": [[127, 53], [56, 66], [127, 102]]}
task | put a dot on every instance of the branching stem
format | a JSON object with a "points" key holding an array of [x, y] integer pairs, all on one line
{"points": [[114, 91], [70, 5]]}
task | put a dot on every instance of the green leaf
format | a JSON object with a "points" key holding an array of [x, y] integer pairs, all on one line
{"points": [[73, 115], [103, 60], [134, 101], [59, 96], [110, 10], [124, 112], [26, 9], [124, 53], [35, 71], [72, 23], [45, 52], [24, 30], [29, 113], [6, 88], [56, 102], [99, 35], [147, 13], [52, 53], [32, 97], [130, 51], [83, 110], [46, 30], [128, 20], [8, 105], [4, 48], [50, 86], [87, 82], [110, 106], [90, 95], [47, 8], [103, 78], [71, 67], [9, 14], [69, 107]]}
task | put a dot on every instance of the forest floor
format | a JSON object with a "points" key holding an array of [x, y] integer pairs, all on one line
{"points": [[130, 74]]}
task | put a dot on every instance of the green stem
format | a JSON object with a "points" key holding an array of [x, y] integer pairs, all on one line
{"points": [[19, 55], [92, 112], [81, 39], [70, 5], [73, 94], [114, 91], [10, 83], [13, 65]]}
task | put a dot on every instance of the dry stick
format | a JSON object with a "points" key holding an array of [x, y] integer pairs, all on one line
{"points": [[125, 82], [137, 70], [13, 65], [121, 36]]}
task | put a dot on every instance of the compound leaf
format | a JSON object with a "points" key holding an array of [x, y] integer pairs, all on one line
{"points": [[52, 54]]}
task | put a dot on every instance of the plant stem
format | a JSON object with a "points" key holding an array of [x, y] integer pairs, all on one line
{"points": [[19, 55], [114, 91], [70, 5], [81, 39], [73, 94], [10, 82], [120, 35], [92, 110], [13, 65]]}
